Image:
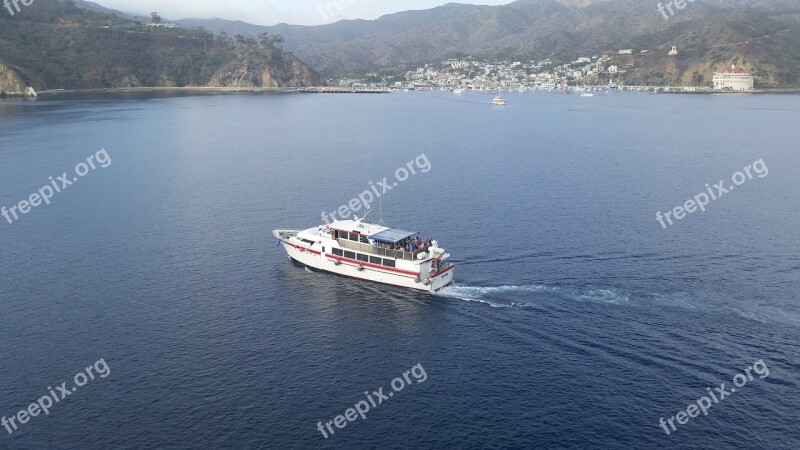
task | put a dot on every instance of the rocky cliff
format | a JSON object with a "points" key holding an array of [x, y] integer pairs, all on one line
{"points": [[10, 82], [55, 45], [264, 68]]}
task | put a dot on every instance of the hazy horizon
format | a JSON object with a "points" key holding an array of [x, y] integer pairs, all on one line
{"points": [[297, 12]]}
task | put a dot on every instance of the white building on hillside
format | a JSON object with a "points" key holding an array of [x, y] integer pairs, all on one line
{"points": [[164, 25], [734, 80]]}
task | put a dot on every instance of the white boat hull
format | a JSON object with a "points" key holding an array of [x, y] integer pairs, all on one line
{"points": [[363, 271]]}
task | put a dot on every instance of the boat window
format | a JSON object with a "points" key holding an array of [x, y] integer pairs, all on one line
{"points": [[338, 252], [351, 255], [363, 257], [375, 260], [344, 235], [307, 241], [363, 239], [389, 262]]}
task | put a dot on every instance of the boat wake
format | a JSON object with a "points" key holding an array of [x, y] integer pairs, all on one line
{"points": [[536, 295], [520, 295]]}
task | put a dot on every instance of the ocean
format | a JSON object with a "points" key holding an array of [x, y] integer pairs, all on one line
{"points": [[579, 318]]}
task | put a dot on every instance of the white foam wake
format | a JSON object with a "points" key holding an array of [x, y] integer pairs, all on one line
{"points": [[508, 296]]}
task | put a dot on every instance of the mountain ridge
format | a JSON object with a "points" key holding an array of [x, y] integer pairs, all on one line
{"points": [[710, 35], [58, 45]]}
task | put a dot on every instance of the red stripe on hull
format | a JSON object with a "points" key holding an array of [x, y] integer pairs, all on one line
{"points": [[374, 266], [363, 279], [444, 271], [303, 249], [366, 264]]}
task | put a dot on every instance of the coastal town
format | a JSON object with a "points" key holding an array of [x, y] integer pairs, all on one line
{"points": [[588, 72]]}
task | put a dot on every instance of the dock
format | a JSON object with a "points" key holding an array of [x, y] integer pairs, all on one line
{"points": [[345, 90]]}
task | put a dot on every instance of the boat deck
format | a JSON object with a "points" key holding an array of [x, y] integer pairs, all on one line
{"points": [[377, 251]]}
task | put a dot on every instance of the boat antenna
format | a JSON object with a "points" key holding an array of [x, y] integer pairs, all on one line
{"points": [[380, 208]]}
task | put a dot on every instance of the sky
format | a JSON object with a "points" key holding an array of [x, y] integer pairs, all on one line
{"points": [[271, 12]]}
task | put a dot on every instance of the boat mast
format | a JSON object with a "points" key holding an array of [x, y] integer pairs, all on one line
{"points": [[380, 208]]}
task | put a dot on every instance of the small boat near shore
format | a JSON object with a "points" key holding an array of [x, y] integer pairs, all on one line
{"points": [[499, 101], [354, 249]]}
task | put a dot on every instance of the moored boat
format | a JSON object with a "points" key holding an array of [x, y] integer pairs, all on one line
{"points": [[499, 101]]}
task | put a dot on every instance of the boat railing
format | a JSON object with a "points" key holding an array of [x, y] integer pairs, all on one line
{"points": [[377, 251]]}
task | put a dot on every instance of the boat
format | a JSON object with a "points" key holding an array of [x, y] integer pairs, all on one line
{"points": [[587, 94], [458, 91], [499, 101], [365, 251]]}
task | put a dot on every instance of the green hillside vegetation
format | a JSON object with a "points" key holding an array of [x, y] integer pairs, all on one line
{"points": [[51, 45], [762, 37]]}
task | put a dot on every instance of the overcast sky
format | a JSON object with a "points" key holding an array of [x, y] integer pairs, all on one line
{"points": [[270, 12]]}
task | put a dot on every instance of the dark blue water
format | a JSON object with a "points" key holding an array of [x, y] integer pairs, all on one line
{"points": [[577, 321]]}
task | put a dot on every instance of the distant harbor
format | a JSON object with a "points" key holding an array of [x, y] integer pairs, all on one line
{"points": [[214, 89], [387, 90], [608, 72], [346, 90]]}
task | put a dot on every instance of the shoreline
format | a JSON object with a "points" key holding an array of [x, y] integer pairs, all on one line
{"points": [[200, 90], [189, 89], [316, 90]]}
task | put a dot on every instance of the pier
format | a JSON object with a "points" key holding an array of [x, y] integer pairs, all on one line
{"points": [[345, 90]]}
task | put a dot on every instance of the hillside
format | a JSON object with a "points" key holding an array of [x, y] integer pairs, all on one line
{"points": [[55, 45], [762, 36]]}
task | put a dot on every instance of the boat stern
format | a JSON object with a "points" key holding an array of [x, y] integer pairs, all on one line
{"points": [[442, 279]]}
